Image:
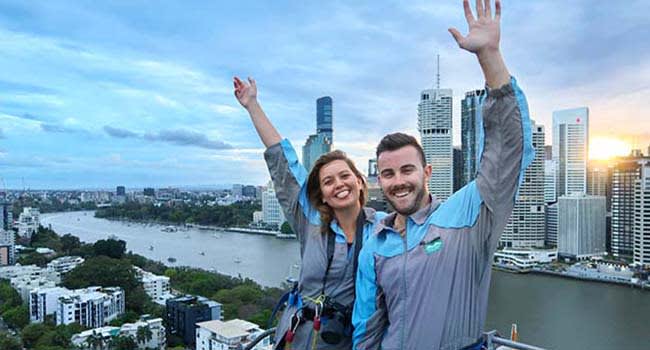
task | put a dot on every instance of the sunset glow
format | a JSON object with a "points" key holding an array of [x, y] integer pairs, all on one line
{"points": [[601, 148]]}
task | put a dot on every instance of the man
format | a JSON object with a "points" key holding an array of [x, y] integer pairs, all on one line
{"points": [[424, 275]]}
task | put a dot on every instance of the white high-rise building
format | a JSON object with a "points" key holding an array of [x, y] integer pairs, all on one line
{"points": [[581, 226], [435, 127], [571, 149], [65, 264], [43, 302], [625, 174], [90, 307], [525, 229], [28, 222], [642, 217], [156, 287], [271, 210]]}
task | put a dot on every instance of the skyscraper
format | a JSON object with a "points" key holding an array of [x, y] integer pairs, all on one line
{"points": [[6, 215], [321, 142], [324, 118], [120, 191], [625, 173], [642, 217], [581, 226], [458, 168], [550, 177], [469, 114], [570, 149], [551, 224], [525, 229], [435, 126], [271, 211]]}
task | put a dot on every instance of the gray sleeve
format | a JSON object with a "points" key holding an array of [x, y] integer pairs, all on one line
{"points": [[289, 179], [506, 152]]}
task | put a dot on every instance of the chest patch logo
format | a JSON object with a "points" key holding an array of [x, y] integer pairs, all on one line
{"points": [[432, 246]]}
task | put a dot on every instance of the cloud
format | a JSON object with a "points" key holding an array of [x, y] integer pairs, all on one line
{"points": [[2, 134], [120, 133], [12, 86], [187, 138], [181, 137], [54, 128]]}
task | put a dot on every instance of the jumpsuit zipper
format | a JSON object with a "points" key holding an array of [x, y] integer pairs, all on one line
{"points": [[404, 303]]}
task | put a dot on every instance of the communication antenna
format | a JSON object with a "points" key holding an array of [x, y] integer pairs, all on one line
{"points": [[438, 72]]}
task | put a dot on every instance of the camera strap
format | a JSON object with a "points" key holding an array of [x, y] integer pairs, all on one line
{"points": [[358, 242]]}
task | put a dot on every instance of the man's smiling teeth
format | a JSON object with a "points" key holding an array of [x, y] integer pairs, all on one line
{"points": [[342, 194], [402, 193]]}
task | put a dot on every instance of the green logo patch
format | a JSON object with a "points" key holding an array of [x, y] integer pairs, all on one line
{"points": [[433, 246]]}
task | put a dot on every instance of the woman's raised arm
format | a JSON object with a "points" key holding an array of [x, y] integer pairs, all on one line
{"points": [[247, 96]]}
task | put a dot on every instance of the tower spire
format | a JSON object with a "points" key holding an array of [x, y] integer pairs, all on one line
{"points": [[438, 73]]}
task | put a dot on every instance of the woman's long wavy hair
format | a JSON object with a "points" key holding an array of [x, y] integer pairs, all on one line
{"points": [[316, 195]]}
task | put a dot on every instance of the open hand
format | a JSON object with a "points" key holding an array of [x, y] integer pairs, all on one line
{"points": [[484, 31], [246, 93]]}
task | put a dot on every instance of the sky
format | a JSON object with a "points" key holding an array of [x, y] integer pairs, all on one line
{"points": [[139, 93]]}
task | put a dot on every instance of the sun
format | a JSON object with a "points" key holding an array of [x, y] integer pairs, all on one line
{"points": [[602, 148]]}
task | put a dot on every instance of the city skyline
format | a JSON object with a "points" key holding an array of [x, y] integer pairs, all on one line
{"points": [[99, 95]]}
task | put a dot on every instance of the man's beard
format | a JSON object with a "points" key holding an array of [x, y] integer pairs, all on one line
{"points": [[415, 206]]}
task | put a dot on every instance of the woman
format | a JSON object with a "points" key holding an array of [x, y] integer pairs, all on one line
{"points": [[328, 217]]}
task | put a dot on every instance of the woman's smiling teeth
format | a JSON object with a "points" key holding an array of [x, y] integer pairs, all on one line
{"points": [[342, 194]]}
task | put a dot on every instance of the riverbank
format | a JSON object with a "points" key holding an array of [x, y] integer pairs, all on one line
{"points": [[576, 272], [183, 227]]}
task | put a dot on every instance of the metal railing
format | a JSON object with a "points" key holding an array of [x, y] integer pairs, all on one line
{"points": [[492, 341], [259, 338]]}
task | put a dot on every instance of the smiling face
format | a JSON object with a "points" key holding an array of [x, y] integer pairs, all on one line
{"points": [[402, 179], [339, 186]]}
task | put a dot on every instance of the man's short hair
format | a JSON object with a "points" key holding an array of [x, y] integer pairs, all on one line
{"points": [[395, 141]]}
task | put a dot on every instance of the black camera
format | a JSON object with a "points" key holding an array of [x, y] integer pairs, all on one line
{"points": [[339, 322]]}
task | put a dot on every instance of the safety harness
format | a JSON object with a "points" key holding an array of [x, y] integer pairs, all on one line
{"points": [[294, 298]]}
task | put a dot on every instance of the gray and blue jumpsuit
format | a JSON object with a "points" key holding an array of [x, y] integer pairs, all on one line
{"points": [[289, 179], [428, 289]]}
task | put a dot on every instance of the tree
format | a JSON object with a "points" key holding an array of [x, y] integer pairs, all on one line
{"points": [[9, 297], [8, 342], [110, 247], [123, 343], [106, 272], [286, 228], [70, 242], [32, 333], [17, 317], [96, 341], [143, 335]]}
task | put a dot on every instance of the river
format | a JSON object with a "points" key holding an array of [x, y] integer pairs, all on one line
{"points": [[550, 312]]}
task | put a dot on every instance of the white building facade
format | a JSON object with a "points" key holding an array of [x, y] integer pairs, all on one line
{"points": [[228, 335], [156, 287], [435, 127], [271, 211], [28, 222], [43, 302], [90, 307], [570, 150], [581, 226], [642, 218], [65, 264]]}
